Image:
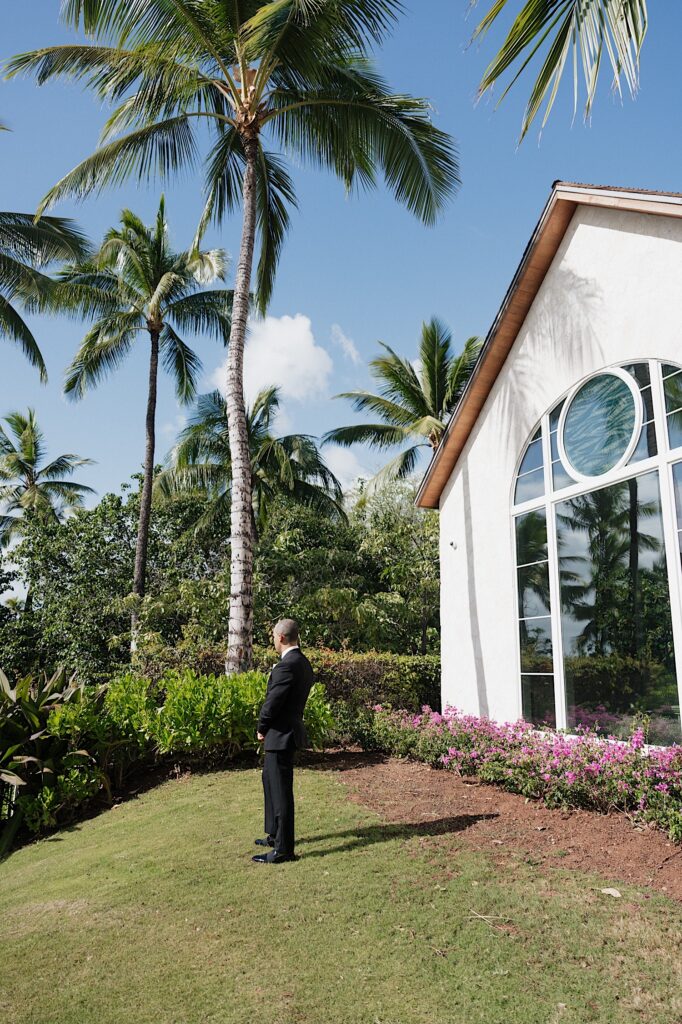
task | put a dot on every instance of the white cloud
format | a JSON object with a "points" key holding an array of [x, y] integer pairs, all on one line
{"points": [[346, 344], [174, 426], [345, 465], [283, 351]]}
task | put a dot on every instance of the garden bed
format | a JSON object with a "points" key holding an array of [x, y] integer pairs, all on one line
{"points": [[507, 826]]}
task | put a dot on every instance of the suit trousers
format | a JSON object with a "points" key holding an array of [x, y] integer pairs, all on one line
{"points": [[278, 790]]}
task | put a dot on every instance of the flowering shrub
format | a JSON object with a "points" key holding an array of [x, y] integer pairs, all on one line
{"points": [[564, 771]]}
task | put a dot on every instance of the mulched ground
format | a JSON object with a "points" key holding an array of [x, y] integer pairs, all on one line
{"points": [[474, 816]]}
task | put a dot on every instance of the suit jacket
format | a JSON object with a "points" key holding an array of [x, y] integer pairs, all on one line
{"points": [[281, 716]]}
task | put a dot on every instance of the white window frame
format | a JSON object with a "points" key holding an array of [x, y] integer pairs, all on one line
{"points": [[663, 462]]}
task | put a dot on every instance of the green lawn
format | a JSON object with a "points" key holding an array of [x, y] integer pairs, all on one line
{"points": [[153, 913]]}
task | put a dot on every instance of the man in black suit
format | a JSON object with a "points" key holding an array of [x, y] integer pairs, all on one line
{"points": [[281, 728]]}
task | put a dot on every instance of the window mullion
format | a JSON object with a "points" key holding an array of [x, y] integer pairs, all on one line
{"points": [[554, 587]]}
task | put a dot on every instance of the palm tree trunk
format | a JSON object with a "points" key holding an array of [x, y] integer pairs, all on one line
{"points": [[147, 482], [240, 626]]}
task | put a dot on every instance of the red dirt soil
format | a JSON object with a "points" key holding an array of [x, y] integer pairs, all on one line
{"points": [[476, 816]]}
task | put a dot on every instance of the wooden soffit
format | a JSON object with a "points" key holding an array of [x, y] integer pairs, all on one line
{"points": [[536, 261]]}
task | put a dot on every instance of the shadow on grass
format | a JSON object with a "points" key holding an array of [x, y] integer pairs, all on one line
{"points": [[147, 776], [338, 759], [368, 835]]}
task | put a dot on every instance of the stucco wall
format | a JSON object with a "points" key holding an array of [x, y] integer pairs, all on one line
{"points": [[613, 293]]}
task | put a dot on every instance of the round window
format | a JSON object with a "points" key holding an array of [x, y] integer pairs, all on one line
{"points": [[600, 424]]}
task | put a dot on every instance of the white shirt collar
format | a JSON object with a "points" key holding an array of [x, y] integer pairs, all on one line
{"points": [[295, 647]]}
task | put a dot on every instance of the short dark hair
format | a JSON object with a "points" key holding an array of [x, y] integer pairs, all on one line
{"points": [[288, 628]]}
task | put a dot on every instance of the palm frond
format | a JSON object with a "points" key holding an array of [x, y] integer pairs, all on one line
{"points": [[205, 312], [274, 193], [352, 123], [399, 468], [379, 435], [181, 362], [103, 349], [41, 242], [434, 357], [13, 328], [461, 369], [155, 149], [299, 33], [399, 381], [392, 412], [63, 464], [585, 27]]}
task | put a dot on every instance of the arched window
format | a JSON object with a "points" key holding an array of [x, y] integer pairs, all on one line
{"points": [[597, 508]]}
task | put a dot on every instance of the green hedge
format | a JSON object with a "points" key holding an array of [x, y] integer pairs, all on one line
{"points": [[403, 680]]}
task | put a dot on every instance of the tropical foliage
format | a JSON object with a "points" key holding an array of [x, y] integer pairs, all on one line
{"points": [[414, 402], [28, 485], [289, 465], [366, 582], [556, 30], [39, 774], [296, 73]]}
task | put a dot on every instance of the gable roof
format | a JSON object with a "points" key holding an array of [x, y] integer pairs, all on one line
{"points": [[564, 199]]}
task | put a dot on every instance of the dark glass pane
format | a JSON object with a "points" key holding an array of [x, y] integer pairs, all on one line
{"points": [[531, 537], [599, 425], [533, 590], [640, 371], [648, 400], [536, 645], [554, 415], [530, 486], [537, 700], [677, 485], [615, 611], [673, 393], [675, 429], [670, 368], [560, 478], [646, 446], [533, 457]]}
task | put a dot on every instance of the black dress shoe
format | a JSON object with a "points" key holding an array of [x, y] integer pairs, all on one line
{"points": [[273, 857], [264, 842]]}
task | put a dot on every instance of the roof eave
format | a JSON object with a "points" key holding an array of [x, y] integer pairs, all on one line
{"points": [[530, 273]]}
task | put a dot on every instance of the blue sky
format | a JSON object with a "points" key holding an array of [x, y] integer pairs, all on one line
{"points": [[357, 268]]}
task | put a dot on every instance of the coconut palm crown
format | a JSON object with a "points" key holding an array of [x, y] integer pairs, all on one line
{"points": [[254, 78], [290, 465], [414, 403], [29, 486], [137, 289]]}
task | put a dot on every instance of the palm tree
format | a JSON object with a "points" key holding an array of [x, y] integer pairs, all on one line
{"points": [[414, 403], [297, 71], [585, 28], [137, 286], [28, 486], [289, 465]]}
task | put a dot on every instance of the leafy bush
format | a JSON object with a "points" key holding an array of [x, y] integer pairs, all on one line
{"points": [[584, 771], [184, 712], [42, 775]]}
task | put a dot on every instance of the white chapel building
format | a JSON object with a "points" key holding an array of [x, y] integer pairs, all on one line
{"points": [[559, 479]]}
